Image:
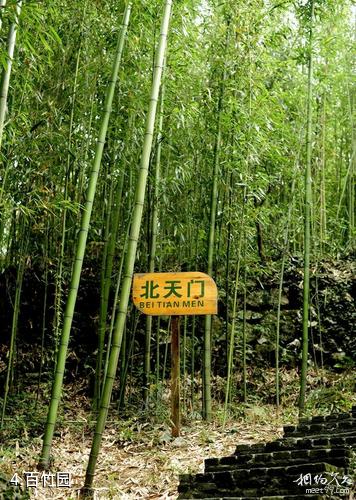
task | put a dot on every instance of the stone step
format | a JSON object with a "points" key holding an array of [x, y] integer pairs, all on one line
{"points": [[324, 433], [337, 456], [306, 429], [299, 442], [257, 482], [334, 433], [326, 418], [317, 446]]}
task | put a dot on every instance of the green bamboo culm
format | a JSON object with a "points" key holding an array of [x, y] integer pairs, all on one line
{"points": [[307, 217], [80, 250], [2, 8], [244, 335], [5, 81], [280, 291], [233, 319], [131, 252], [64, 230], [103, 303], [211, 244], [153, 245], [4, 90], [116, 298], [15, 316]]}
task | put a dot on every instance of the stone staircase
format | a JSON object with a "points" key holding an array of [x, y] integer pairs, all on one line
{"points": [[313, 459]]}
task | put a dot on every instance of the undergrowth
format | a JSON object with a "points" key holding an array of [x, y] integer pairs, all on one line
{"points": [[328, 392]]}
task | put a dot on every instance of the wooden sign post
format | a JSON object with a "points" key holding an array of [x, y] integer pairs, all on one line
{"points": [[175, 294]]}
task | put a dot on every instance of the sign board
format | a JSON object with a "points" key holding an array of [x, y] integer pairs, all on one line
{"points": [[174, 294]]}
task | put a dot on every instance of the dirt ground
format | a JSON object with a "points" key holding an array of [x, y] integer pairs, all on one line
{"points": [[138, 457], [137, 462]]}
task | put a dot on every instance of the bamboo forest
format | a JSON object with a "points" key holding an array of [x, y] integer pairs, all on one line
{"points": [[177, 249]]}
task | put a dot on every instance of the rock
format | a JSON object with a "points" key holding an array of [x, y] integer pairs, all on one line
{"points": [[165, 437], [179, 442]]}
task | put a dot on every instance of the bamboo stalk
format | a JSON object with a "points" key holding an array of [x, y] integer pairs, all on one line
{"points": [[131, 253], [244, 334], [234, 313], [2, 7], [115, 302], [211, 243], [175, 376], [192, 373], [80, 251], [44, 312], [153, 245], [5, 82], [15, 317], [166, 351], [103, 302], [125, 364], [61, 257], [307, 215], [184, 360]]}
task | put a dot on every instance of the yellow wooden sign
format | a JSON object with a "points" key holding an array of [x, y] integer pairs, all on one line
{"points": [[171, 294]]}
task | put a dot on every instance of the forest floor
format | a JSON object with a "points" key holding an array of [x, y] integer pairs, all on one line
{"points": [[138, 459]]}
